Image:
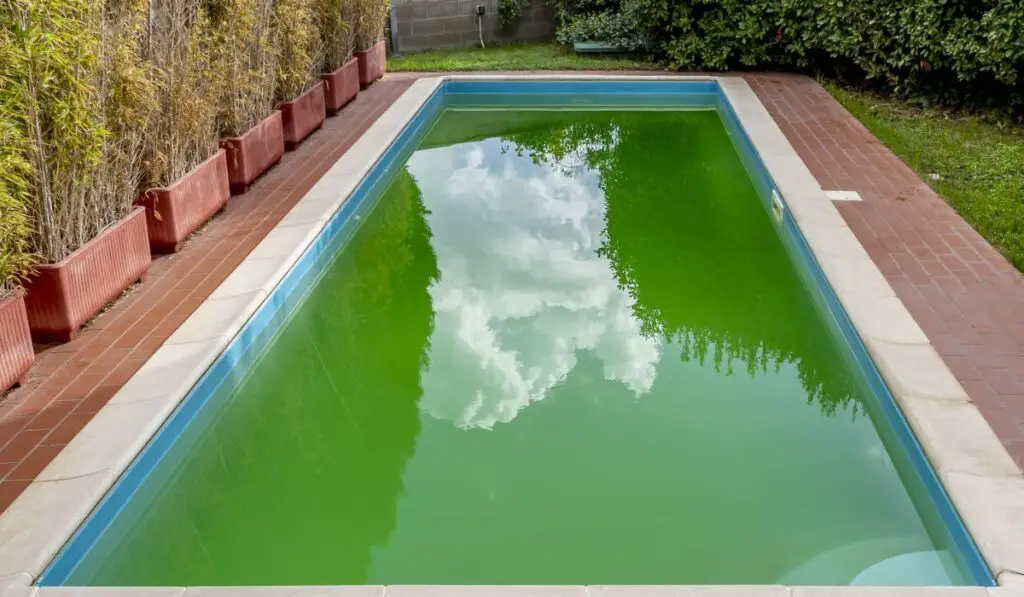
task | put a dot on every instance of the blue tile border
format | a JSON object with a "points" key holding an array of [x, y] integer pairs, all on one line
{"points": [[246, 347], [825, 298], [243, 349]]}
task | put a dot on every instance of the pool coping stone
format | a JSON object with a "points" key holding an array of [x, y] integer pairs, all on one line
{"points": [[979, 475], [969, 459], [520, 591]]}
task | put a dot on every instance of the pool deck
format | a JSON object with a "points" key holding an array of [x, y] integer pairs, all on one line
{"points": [[967, 299], [71, 382]]}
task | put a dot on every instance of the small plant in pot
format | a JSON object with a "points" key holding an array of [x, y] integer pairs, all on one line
{"points": [[16, 353], [340, 68], [251, 129], [186, 172], [369, 32], [80, 102], [299, 88]]}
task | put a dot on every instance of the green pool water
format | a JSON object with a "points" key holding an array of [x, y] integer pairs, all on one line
{"points": [[563, 347]]}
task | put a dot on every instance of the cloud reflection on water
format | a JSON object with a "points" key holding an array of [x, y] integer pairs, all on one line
{"points": [[522, 288]]}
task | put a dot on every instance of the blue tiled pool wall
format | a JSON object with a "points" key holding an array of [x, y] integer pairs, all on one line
{"points": [[232, 367], [581, 94], [245, 350], [906, 452]]}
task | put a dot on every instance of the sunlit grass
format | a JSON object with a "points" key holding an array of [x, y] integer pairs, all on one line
{"points": [[512, 57], [977, 167]]}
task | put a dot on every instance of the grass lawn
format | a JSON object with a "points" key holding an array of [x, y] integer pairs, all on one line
{"points": [[512, 57], [980, 166]]}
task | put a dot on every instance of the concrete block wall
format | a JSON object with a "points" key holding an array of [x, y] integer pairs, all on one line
{"points": [[438, 24]]}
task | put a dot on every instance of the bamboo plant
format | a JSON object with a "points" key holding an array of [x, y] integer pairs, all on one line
{"points": [[248, 53], [128, 98], [371, 16], [15, 257], [301, 51], [182, 54], [73, 98], [337, 32]]}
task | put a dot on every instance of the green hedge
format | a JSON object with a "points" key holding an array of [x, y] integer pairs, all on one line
{"points": [[958, 52]]}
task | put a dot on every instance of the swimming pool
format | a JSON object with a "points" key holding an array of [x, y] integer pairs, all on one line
{"points": [[672, 393]]}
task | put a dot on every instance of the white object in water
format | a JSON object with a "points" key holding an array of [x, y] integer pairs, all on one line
{"points": [[926, 568], [885, 561]]}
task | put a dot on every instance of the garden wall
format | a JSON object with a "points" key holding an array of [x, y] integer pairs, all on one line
{"points": [[436, 24]]}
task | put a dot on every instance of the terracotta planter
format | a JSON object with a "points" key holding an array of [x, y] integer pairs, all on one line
{"points": [[303, 115], [174, 212], [342, 86], [371, 63], [16, 354], [60, 297], [254, 152]]}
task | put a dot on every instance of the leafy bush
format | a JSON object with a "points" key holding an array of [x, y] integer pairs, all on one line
{"points": [[301, 52], [616, 28], [371, 15], [247, 54], [336, 20], [950, 51], [509, 11]]}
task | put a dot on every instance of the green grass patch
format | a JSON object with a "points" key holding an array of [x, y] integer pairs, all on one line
{"points": [[980, 165], [512, 57]]}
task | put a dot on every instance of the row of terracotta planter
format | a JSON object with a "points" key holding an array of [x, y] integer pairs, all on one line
{"points": [[60, 297]]}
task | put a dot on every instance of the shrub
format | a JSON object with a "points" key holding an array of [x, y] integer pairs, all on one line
{"points": [[509, 11], [616, 28], [952, 51], [247, 56], [301, 52], [371, 15], [182, 54], [336, 20]]}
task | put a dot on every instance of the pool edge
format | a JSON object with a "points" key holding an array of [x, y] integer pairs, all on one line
{"points": [[521, 591], [974, 468], [962, 448]]}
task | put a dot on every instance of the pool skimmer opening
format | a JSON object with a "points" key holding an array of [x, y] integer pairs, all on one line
{"points": [[777, 206]]}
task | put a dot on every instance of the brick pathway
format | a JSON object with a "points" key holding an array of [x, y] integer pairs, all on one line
{"points": [[71, 382], [966, 297]]}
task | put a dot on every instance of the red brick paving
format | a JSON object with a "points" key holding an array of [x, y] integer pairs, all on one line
{"points": [[968, 299], [71, 382]]}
